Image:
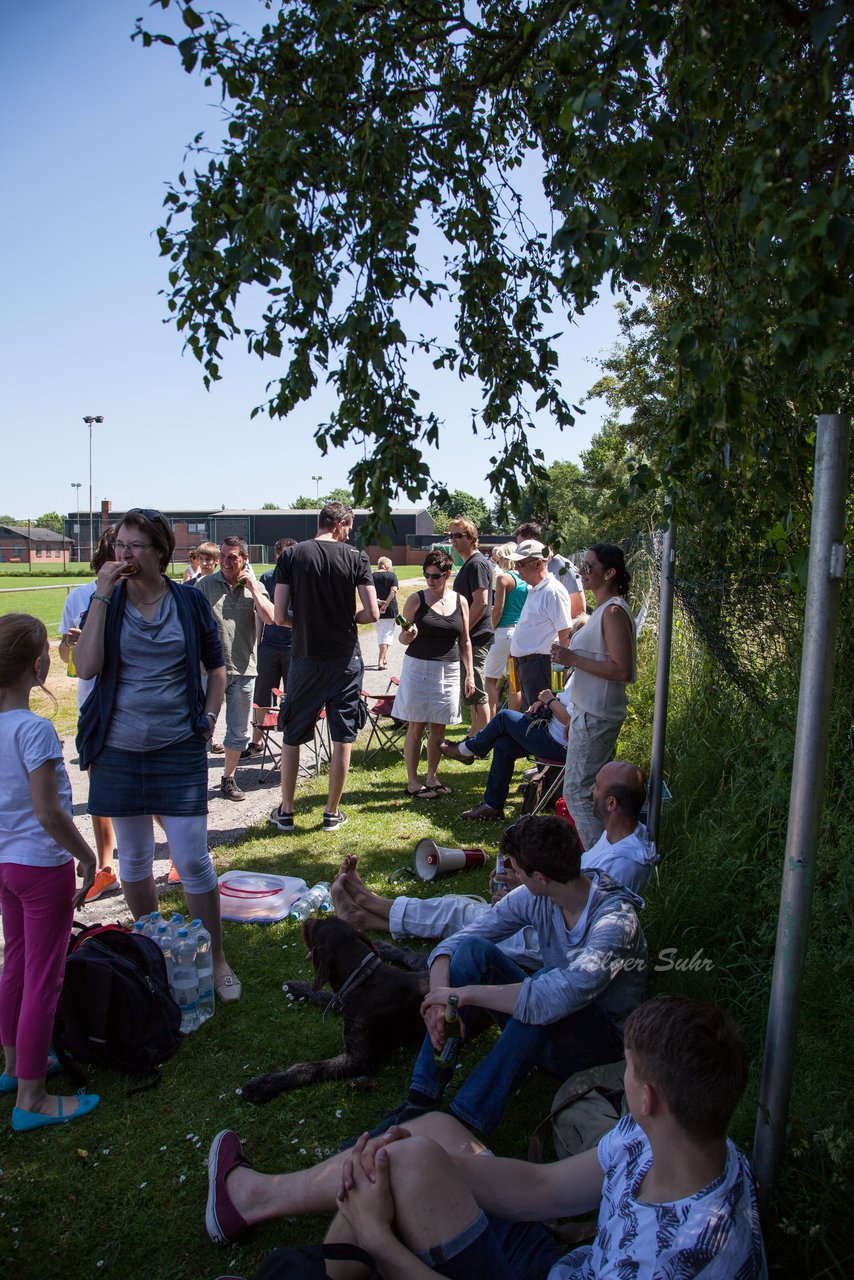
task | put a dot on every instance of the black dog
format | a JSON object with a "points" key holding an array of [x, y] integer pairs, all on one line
{"points": [[381, 1008]]}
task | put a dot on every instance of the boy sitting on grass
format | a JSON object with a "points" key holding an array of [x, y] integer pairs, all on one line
{"points": [[676, 1198]]}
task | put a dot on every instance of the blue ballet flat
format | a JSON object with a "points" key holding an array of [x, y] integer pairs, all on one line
{"points": [[23, 1121], [9, 1084]]}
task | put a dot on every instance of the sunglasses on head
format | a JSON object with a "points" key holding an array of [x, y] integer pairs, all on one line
{"points": [[511, 837], [148, 512]]}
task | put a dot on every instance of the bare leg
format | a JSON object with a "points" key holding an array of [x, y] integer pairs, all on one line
{"points": [[206, 907], [260, 1196], [412, 753], [231, 759], [33, 1096], [435, 735], [289, 771], [141, 896], [479, 713], [339, 767], [492, 695], [105, 842], [382, 662]]}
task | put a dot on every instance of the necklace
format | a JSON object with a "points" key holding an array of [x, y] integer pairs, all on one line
{"points": [[137, 603]]}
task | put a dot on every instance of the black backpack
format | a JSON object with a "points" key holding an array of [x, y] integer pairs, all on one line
{"points": [[115, 1009]]}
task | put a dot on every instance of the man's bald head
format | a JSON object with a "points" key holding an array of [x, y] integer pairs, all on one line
{"points": [[622, 785]]}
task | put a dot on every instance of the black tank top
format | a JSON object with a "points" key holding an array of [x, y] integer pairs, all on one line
{"points": [[438, 636]]}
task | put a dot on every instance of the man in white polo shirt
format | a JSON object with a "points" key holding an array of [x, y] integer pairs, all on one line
{"points": [[546, 615]]}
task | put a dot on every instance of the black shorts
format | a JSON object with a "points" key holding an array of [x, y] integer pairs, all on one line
{"points": [[315, 683]]}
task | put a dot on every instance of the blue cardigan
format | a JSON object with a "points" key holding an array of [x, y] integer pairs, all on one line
{"points": [[203, 647]]}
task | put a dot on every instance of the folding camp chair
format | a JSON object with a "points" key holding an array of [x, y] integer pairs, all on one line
{"points": [[266, 719], [320, 748], [550, 776], [387, 733]]}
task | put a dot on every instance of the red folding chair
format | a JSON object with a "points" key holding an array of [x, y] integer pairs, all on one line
{"points": [[266, 720], [387, 733]]}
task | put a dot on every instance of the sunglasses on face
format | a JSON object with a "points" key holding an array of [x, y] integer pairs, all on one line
{"points": [[457, 535], [435, 576]]}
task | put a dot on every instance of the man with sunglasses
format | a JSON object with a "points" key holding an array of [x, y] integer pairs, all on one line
{"points": [[474, 584]]}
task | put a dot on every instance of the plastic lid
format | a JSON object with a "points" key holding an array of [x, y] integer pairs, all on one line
{"points": [[184, 933]]}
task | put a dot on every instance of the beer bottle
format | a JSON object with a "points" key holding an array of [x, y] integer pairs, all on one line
{"points": [[402, 622], [449, 1052]]}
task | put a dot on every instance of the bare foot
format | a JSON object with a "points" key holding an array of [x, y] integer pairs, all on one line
{"points": [[345, 907]]}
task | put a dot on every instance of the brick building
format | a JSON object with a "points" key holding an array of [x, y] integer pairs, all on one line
{"points": [[25, 544], [413, 527]]}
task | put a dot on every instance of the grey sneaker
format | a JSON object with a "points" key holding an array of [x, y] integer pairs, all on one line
{"points": [[229, 790], [332, 821], [284, 821]]}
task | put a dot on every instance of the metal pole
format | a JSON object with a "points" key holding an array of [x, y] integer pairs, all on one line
{"points": [[91, 520], [662, 682], [77, 487], [826, 569]]}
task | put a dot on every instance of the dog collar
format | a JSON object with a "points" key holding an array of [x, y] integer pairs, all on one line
{"points": [[357, 977]]}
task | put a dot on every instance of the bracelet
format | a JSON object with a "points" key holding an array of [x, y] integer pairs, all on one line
{"points": [[104, 599], [209, 715]]}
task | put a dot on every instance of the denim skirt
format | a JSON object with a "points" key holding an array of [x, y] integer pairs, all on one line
{"points": [[130, 784]]}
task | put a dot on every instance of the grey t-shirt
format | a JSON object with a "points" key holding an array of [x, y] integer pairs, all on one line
{"points": [[151, 693]]}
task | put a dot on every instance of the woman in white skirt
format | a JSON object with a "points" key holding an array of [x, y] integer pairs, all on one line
{"points": [[428, 696]]}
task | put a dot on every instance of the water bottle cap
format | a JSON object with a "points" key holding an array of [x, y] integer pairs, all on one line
{"points": [[183, 933], [163, 928], [196, 924]]}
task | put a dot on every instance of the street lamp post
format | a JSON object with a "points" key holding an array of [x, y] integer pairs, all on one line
{"points": [[89, 419], [317, 480], [77, 487]]}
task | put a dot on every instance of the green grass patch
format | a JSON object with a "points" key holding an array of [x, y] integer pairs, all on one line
{"points": [[123, 1192]]}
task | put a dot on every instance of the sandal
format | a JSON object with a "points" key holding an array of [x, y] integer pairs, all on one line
{"points": [[441, 789], [423, 793]]}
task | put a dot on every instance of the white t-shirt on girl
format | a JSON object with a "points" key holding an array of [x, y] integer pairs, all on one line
{"points": [[27, 741]]}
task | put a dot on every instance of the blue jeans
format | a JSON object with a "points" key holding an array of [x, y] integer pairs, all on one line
{"points": [[509, 736], [582, 1039]]}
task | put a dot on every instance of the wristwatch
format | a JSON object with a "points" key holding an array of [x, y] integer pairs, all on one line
{"points": [[210, 716]]}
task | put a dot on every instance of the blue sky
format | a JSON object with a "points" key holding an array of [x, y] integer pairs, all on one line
{"points": [[95, 127]]}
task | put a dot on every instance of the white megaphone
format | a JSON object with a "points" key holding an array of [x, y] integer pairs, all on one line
{"points": [[432, 860]]}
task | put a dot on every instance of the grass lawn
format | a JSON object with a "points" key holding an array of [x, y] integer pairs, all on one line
{"points": [[122, 1193], [43, 594]]}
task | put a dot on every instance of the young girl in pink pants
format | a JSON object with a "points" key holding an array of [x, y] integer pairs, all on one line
{"points": [[38, 894]]}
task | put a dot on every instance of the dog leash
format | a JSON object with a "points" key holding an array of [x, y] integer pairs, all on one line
{"points": [[357, 977]]}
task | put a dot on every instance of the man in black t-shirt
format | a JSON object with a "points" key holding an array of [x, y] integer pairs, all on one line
{"points": [[474, 583], [319, 580]]}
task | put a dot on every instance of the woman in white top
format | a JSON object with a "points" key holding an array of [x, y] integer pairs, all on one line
{"points": [[602, 657]]}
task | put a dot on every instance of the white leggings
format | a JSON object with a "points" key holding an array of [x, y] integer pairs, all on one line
{"points": [[188, 848]]}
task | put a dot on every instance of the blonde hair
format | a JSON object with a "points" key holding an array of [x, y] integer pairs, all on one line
{"points": [[502, 555], [460, 525], [384, 563]]}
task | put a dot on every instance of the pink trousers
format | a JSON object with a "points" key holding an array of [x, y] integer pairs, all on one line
{"points": [[35, 903]]}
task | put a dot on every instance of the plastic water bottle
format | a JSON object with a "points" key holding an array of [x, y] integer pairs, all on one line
{"points": [[301, 909], [163, 938], [151, 924], [177, 922], [204, 970], [320, 897], [139, 927], [185, 981]]}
